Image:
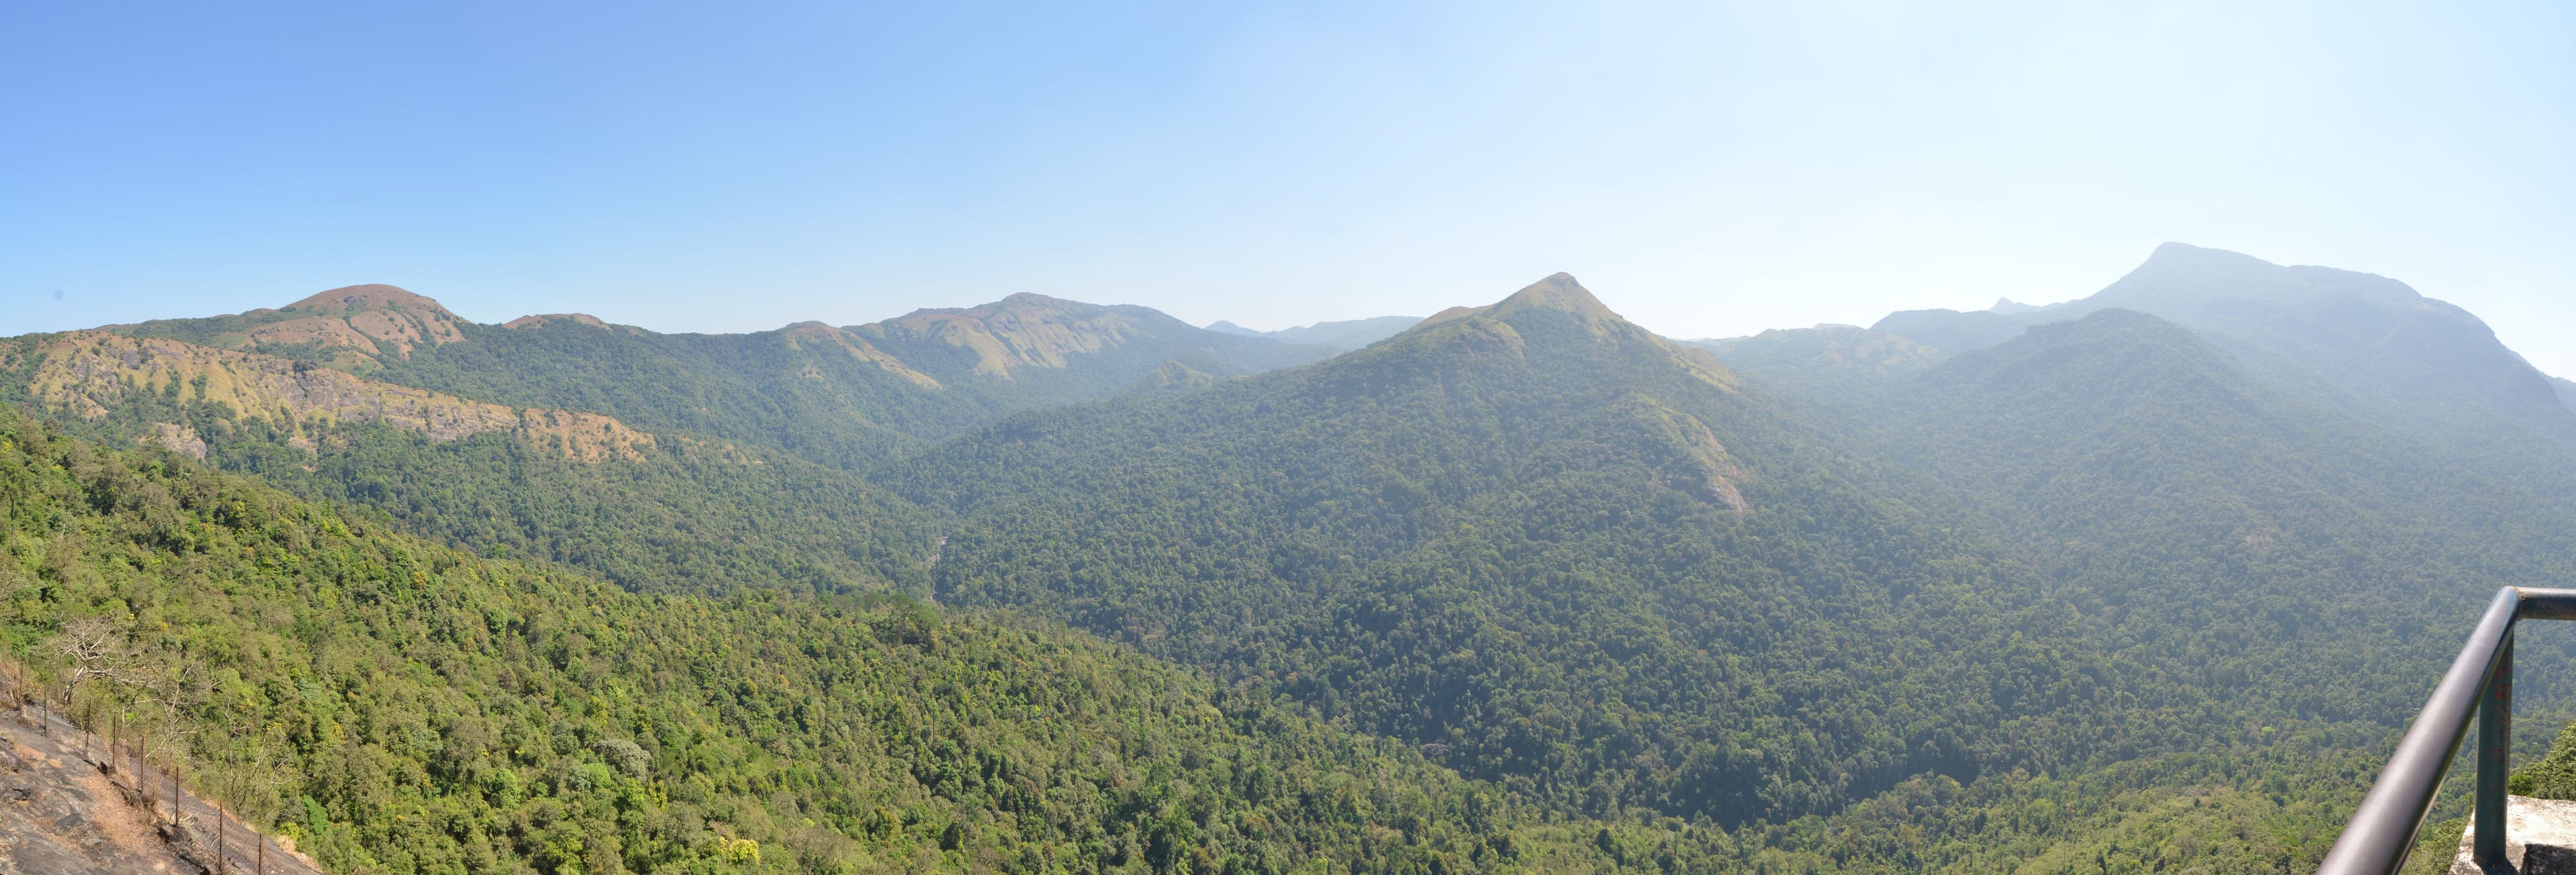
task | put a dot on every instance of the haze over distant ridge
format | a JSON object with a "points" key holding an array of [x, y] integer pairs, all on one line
{"points": [[1202, 162]]}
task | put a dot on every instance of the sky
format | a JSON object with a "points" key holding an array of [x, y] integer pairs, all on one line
{"points": [[1707, 169]]}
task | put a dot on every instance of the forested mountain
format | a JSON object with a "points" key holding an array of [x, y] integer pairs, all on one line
{"points": [[353, 328], [2358, 342], [2216, 525], [1466, 537], [2145, 581], [836, 396], [1834, 359], [2258, 546], [2157, 471], [654, 512], [738, 483], [1346, 334], [395, 706], [1579, 559]]}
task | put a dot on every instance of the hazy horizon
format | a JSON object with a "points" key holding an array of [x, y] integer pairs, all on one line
{"points": [[1712, 171], [614, 318]]}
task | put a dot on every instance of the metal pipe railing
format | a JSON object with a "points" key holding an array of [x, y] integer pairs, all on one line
{"points": [[2478, 685]]}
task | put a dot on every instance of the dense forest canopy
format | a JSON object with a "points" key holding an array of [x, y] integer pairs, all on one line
{"points": [[2145, 581], [339, 681]]}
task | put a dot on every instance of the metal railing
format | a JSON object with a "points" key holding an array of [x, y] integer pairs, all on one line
{"points": [[2479, 684]]}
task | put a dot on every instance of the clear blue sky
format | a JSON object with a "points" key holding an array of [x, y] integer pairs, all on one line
{"points": [[1708, 169]]}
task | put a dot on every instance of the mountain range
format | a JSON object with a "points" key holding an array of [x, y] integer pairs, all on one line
{"points": [[2143, 580], [1345, 335]]}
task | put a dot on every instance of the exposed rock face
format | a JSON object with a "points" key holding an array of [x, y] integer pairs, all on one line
{"points": [[85, 371], [177, 438], [58, 816]]}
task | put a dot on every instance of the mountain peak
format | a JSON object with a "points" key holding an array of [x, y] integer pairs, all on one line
{"points": [[349, 300], [533, 320], [2180, 273], [1034, 302], [1560, 292], [2179, 257], [1510, 323]]}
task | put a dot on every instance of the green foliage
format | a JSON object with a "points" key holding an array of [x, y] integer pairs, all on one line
{"points": [[2361, 345], [811, 399], [436, 712], [2249, 543], [2101, 597], [692, 516], [1500, 537], [2099, 550], [2554, 776], [742, 388], [2235, 543]]}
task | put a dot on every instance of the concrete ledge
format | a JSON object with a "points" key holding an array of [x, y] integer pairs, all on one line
{"points": [[2549, 823]]}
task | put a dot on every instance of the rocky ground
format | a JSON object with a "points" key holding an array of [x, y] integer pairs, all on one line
{"points": [[60, 816]]}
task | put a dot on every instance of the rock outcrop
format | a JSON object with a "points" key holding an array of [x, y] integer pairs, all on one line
{"points": [[87, 372]]}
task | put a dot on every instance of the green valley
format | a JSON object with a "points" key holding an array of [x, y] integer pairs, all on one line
{"points": [[1043, 586]]}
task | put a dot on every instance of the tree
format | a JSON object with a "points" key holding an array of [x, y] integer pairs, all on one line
{"points": [[98, 650]]}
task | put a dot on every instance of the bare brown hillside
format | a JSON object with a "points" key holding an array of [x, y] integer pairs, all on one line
{"points": [[85, 373]]}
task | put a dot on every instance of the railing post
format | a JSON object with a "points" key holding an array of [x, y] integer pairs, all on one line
{"points": [[2495, 758]]}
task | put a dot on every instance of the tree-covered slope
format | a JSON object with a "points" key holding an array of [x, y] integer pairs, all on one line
{"points": [[396, 706], [741, 480], [650, 512], [2104, 554], [2258, 546], [1799, 363], [2269, 566], [2136, 460], [2362, 344], [1956, 331], [1577, 558], [2105, 590], [836, 396], [1344, 334]]}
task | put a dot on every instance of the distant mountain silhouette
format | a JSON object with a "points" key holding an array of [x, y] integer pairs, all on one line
{"points": [[1347, 334], [2355, 341]]}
